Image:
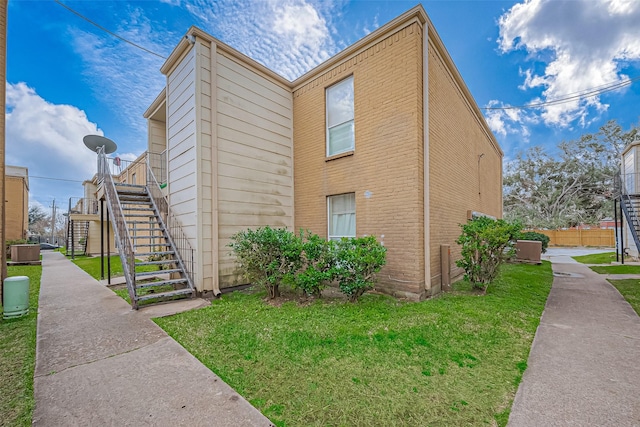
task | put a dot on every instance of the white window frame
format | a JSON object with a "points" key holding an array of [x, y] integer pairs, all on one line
{"points": [[330, 217], [326, 112]]}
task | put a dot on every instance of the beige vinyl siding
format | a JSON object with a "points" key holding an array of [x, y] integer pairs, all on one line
{"points": [[181, 144], [93, 238], [255, 166], [157, 136]]}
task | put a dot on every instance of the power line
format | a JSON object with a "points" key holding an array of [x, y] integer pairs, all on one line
{"points": [[108, 31], [54, 179], [588, 93]]}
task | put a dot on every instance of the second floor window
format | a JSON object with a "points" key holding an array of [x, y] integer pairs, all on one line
{"points": [[340, 130]]}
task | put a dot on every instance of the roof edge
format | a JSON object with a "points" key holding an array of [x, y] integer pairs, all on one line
{"points": [[162, 96], [416, 13], [184, 45]]}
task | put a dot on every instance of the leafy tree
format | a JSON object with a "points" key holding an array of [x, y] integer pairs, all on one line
{"points": [[39, 220], [486, 244], [36, 214], [576, 186], [268, 256]]}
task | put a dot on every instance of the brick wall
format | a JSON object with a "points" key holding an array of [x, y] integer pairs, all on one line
{"points": [[16, 207], [460, 180], [386, 162]]}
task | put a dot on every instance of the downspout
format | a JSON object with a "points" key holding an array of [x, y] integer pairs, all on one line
{"points": [[425, 138], [214, 171]]}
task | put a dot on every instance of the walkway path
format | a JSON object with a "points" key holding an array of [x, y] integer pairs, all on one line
{"points": [[584, 365], [100, 363]]}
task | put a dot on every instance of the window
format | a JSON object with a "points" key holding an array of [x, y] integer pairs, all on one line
{"points": [[133, 178], [340, 132], [342, 216]]}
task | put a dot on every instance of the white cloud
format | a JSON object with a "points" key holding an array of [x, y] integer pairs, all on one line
{"points": [[290, 37], [509, 121], [582, 44], [47, 139]]}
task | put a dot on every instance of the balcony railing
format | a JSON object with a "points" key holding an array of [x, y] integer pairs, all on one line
{"points": [[158, 165], [629, 183], [185, 252], [84, 206]]}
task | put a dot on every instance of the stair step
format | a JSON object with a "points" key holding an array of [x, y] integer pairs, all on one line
{"points": [[165, 294], [122, 184], [134, 196], [150, 244], [135, 208], [148, 236], [142, 222], [149, 215], [164, 261], [161, 283], [155, 273], [155, 253]]}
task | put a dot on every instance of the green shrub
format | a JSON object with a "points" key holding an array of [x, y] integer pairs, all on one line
{"points": [[532, 235], [356, 262], [317, 264], [486, 244], [268, 256]]}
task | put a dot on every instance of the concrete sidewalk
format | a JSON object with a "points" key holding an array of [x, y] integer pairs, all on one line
{"points": [[100, 363], [584, 365]]}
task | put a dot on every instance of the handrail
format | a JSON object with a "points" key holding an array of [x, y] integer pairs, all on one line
{"points": [[185, 254], [125, 245], [627, 206], [83, 205]]}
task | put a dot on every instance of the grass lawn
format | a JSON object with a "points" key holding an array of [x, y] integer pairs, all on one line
{"points": [[616, 269], [630, 290], [603, 258], [92, 266], [18, 355], [453, 360]]}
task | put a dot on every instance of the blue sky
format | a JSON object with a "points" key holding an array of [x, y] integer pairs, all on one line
{"points": [[66, 78]]}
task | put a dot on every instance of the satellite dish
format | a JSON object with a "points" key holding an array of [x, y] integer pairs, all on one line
{"points": [[93, 142]]}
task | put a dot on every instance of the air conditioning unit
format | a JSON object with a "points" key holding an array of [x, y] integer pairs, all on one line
{"points": [[25, 253], [529, 251]]}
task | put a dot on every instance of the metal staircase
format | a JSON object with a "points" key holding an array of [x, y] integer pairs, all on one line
{"points": [[631, 209], [630, 204], [77, 236], [140, 233]]}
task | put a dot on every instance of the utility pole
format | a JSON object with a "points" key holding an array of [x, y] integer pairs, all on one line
{"points": [[53, 220]]}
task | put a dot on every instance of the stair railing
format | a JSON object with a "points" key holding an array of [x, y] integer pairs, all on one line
{"points": [[185, 254], [124, 243], [628, 208]]}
